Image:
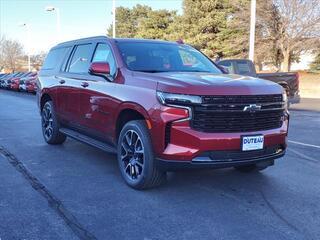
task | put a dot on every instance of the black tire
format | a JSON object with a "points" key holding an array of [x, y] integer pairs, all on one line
{"points": [[136, 158], [50, 125]]}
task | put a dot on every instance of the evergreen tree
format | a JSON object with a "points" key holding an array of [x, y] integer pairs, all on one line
{"points": [[315, 65], [142, 22]]}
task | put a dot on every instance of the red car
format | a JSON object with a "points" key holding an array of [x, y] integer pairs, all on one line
{"points": [[31, 86], [160, 106], [11, 78], [28, 83], [15, 82]]}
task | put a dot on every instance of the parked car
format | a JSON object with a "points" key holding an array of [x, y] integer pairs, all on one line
{"points": [[27, 83], [15, 82], [7, 80], [160, 106], [288, 80], [2, 80], [31, 86], [2, 77]]}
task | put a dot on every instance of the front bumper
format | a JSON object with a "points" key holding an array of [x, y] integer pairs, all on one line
{"points": [[15, 87], [177, 145], [224, 162], [23, 87], [187, 144], [31, 89]]}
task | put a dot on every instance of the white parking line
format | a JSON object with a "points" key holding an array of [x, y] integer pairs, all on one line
{"points": [[304, 144], [304, 156]]}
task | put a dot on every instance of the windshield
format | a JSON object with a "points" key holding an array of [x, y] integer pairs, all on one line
{"points": [[164, 57]]}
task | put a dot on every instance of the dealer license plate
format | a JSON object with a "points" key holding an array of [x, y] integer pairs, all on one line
{"points": [[250, 143]]}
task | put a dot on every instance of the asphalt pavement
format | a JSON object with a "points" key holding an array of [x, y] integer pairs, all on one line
{"points": [[75, 191]]}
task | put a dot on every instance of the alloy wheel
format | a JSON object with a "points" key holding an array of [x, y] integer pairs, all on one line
{"points": [[132, 155], [47, 121]]}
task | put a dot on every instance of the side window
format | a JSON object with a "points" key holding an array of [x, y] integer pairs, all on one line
{"points": [[81, 59], [54, 58], [227, 65], [103, 53], [243, 67]]}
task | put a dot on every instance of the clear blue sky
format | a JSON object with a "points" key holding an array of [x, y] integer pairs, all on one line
{"points": [[79, 18]]}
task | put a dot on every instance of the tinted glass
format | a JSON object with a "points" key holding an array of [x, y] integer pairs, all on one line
{"points": [[164, 57], [227, 65], [243, 68], [81, 59], [54, 58], [103, 53]]}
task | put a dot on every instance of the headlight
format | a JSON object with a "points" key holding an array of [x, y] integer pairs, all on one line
{"points": [[173, 98], [285, 100], [284, 97]]}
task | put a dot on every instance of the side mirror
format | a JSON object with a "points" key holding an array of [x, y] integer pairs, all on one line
{"points": [[101, 69], [223, 69]]}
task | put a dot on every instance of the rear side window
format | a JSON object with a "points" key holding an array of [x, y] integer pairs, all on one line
{"points": [[103, 53], [227, 65], [54, 58], [243, 67], [80, 60]]}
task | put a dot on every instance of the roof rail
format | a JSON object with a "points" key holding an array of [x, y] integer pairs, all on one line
{"points": [[82, 39]]}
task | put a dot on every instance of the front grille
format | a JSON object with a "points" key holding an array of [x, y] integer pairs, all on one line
{"points": [[221, 114], [242, 99]]}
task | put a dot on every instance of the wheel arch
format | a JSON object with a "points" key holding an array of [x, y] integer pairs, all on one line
{"points": [[285, 85], [44, 98], [127, 112]]}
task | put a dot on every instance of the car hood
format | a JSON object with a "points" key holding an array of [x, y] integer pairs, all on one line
{"points": [[212, 84]]}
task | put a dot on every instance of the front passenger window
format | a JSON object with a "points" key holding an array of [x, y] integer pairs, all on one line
{"points": [[103, 53], [227, 65], [81, 59]]}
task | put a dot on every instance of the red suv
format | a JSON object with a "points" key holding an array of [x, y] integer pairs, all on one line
{"points": [[160, 106]]}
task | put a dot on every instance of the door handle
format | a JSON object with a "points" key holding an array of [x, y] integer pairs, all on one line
{"points": [[84, 84], [62, 81]]}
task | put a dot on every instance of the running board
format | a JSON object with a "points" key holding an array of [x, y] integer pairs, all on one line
{"points": [[88, 140]]}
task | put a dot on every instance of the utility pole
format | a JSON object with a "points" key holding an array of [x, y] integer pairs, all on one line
{"points": [[57, 10], [27, 26], [252, 29], [113, 18]]}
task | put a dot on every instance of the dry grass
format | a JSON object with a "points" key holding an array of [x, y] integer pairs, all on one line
{"points": [[309, 85]]}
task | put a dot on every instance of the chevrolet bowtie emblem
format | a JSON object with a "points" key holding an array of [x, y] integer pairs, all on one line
{"points": [[252, 108]]}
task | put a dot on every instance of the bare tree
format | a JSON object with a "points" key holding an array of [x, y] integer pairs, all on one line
{"points": [[267, 27], [299, 27], [2, 64], [11, 54], [37, 60]]}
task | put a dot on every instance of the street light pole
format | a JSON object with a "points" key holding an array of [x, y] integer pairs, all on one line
{"points": [[27, 26], [58, 24], [57, 10], [252, 29], [113, 18]]}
